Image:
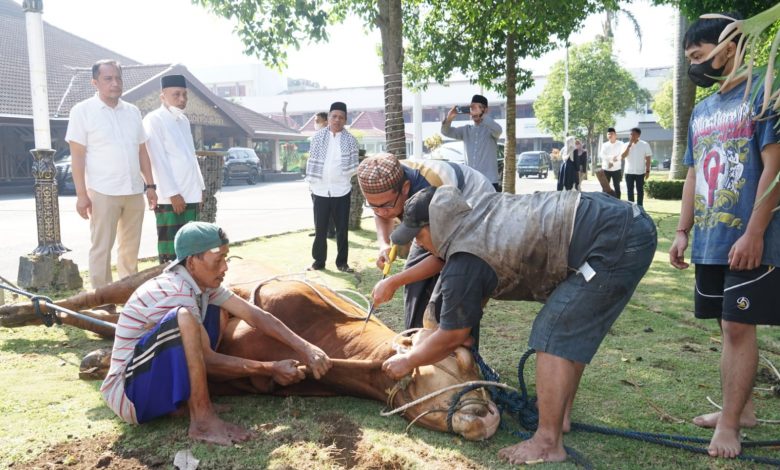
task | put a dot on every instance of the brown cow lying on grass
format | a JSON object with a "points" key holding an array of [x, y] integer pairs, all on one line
{"points": [[323, 318]]}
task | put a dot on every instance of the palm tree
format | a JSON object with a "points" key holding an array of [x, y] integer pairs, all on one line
{"points": [[611, 20], [390, 24]]}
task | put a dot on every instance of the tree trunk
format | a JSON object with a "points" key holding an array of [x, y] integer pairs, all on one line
{"points": [[684, 97], [593, 148], [390, 25], [511, 129]]}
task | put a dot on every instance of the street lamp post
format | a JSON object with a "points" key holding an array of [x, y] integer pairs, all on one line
{"points": [[43, 267]]}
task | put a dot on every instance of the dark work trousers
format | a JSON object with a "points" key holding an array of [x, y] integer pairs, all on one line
{"points": [[326, 208], [417, 294], [331, 225], [614, 177], [640, 187]]}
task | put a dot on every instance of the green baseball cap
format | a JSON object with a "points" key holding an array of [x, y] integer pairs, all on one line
{"points": [[197, 237]]}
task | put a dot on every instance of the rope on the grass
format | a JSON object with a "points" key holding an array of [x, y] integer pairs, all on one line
{"points": [[524, 407]]}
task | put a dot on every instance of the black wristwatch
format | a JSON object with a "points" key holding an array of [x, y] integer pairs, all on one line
{"points": [[150, 186]]}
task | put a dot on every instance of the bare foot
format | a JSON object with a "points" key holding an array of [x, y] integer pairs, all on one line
{"points": [[710, 420], [566, 424], [533, 450], [238, 433], [211, 430], [725, 443]]}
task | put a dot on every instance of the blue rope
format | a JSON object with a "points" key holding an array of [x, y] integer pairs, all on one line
{"points": [[48, 318], [524, 408]]}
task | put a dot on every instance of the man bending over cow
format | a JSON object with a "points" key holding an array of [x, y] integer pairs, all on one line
{"points": [[167, 333], [582, 254]]}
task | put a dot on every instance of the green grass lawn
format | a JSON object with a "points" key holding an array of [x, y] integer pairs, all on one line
{"points": [[653, 372]]}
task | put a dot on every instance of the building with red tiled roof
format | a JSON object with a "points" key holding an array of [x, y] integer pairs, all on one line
{"points": [[369, 128], [216, 122]]}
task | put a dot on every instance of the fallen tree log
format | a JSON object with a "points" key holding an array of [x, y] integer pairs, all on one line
{"points": [[23, 314]]}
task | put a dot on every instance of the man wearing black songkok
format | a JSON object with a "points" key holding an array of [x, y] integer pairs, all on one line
{"points": [[479, 139], [177, 173], [333, 159]]}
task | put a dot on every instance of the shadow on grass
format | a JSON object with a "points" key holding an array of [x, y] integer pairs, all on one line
{"points": [[75, 340]]}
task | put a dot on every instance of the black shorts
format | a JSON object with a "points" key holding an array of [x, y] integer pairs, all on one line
{"points": [[751, 297]]}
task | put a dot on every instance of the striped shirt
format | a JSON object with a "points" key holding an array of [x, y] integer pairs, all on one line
{"points": [[145, 308]]}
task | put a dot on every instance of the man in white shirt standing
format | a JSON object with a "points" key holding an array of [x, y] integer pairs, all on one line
{"points": [[637, 154], [111, 171], [172, 152], [333, 160], [610, 160]]}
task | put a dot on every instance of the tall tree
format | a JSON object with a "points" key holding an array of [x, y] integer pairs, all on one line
{"points": [[683, 96], [611, 19], [485, 41], [662, 105], [269, 28], [600, 91]]}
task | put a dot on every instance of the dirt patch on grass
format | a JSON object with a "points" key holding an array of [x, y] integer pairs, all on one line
{"points": [[343, 434], [90, 453]]}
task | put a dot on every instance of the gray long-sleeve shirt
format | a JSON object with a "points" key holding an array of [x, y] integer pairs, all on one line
{"points": [[481, 142]]}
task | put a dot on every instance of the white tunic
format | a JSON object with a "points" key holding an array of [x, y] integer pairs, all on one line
{"points": [[172, 151], [334, 182]]}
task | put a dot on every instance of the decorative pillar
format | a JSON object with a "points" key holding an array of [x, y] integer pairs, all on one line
{"points": [[211, 164], [197, 135], [47, 207], [43, 268]]}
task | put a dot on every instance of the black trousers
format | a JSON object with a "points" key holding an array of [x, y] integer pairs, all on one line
{"points": [[417, 295], [614, 177], [640, 187], [326, 208]]}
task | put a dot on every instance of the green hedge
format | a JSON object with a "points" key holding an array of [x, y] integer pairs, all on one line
{"points": [[665, 189]]}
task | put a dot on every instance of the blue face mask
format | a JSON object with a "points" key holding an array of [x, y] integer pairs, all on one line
{"points": [[701, 74]]}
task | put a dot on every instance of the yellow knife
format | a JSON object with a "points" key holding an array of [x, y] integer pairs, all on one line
{"points": [[385, 272]]}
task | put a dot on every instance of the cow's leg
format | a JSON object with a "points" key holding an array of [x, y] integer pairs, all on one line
{"points": [[205, 425]]}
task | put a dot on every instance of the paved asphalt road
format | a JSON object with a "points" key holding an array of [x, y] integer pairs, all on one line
{"points": [[245, 212]]}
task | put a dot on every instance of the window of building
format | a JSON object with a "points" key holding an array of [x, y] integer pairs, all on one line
{"points": [[524, 110], [430, 115]]}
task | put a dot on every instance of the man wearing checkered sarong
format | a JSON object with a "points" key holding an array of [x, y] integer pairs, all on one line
{"points": [[175, 166]]}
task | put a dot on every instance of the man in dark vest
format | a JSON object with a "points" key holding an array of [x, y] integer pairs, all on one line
{"points": [[582, 254]]}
